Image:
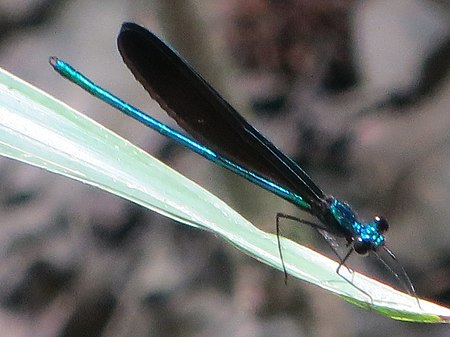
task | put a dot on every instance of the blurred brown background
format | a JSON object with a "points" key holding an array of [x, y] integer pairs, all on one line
{"points": [[358, 92]]}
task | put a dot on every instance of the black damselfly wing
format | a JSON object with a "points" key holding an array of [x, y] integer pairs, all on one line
{"points": [[204, 114]]}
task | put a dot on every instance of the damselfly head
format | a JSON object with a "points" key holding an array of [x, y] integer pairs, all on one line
{"points": [[369, 236], [361, 246], [381, 224]]}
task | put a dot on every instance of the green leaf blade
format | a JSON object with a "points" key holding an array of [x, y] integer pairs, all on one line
{"points": [[41, 131]]}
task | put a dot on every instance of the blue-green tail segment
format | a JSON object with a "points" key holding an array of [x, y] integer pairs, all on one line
{"points": [[79, 79]]}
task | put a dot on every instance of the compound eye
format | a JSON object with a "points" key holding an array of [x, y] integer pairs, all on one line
{"points": [[382, 224], [361, 247]]}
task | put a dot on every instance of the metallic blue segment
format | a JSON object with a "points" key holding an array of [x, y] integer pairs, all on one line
{"points": [[369, 233], [345, 216], [76, 77]]}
